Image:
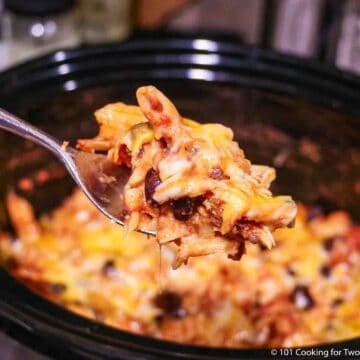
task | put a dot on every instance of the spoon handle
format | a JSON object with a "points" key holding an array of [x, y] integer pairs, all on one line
{"points": [[25, 130]]}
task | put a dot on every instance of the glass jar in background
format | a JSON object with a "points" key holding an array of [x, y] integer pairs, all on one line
{"points": [[105, 20], [297, 26], [348, 47], [34, 27]]}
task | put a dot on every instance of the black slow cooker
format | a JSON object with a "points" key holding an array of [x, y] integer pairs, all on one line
{"points": [[248, 89]]}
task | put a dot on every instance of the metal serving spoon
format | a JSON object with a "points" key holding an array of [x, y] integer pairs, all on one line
{"points": [[101, 180]]}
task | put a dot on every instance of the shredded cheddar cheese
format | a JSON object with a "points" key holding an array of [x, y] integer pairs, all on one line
{"points": [[302, 292]]}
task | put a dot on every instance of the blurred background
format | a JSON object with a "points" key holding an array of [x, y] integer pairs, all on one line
{"points": [[326, 30]]}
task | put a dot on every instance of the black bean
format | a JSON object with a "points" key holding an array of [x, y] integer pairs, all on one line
{"points": [[328, 243], [325, 270], [262, 247], [336, 302], [183, 208], [302, 298], [170, 303], [152, 181], [108, 268]]}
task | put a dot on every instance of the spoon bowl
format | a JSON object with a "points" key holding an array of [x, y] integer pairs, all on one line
{"points": [[101, 180]]}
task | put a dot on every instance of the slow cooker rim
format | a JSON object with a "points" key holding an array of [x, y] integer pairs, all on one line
{"points": [[263, 69], [21, 309]]}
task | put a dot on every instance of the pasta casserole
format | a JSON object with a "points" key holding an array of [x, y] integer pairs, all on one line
{"points": [[303, 292], [192, 185], [190, 182]]}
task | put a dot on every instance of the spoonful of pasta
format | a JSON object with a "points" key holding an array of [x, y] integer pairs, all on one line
{"points": [[187, 183]]}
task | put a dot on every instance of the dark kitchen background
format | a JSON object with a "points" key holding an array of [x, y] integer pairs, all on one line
{"points": [[325, 30]]}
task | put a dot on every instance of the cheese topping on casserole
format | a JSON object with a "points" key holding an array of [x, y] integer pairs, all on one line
{"points": [[305, 291], [190, 182]]}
